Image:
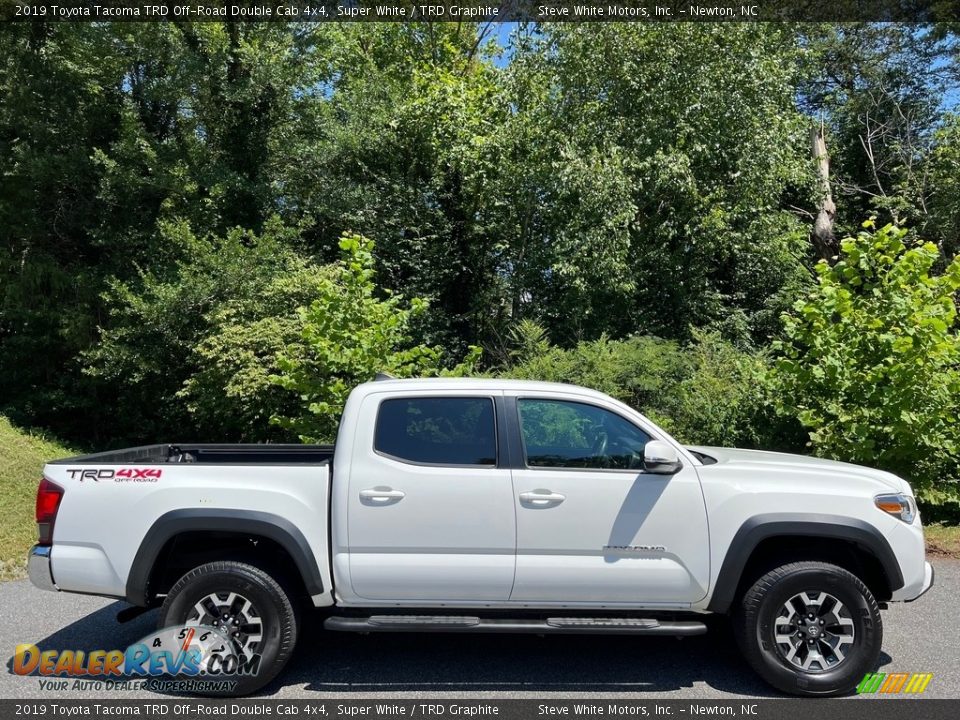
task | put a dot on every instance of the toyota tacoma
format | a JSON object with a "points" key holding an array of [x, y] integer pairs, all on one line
{"points": [[503, 506]]}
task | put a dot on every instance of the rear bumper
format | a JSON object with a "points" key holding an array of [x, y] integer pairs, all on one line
{"points": [[928, 578], [38, 567]]}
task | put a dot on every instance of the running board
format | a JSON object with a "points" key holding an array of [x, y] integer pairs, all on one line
{"points": [[557, 625]]}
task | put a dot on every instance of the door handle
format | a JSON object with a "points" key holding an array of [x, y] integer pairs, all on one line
{"points": [[382, 495], [542, 497]]}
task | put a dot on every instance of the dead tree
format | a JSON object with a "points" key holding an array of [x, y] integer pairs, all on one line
{"points": [[822, 235]]}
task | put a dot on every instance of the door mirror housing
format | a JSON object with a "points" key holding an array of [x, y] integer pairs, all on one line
{"points": [[660, 458]]}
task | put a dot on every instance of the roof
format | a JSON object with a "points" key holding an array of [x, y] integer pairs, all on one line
{"points": [[475, 383]]}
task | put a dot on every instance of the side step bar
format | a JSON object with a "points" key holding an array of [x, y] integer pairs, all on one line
{"points": [[557, 625]]}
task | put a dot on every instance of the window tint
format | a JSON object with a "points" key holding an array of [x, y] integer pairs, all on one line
{"points": [[442, 431], [557, 433]]}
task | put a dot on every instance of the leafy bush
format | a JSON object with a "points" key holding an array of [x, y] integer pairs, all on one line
{"points": [[722, 400], [233, 393], [148, 347], [706, 392], [348, 335], [871, 363], [247, 340]]}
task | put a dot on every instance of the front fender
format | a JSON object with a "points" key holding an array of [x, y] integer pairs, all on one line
{"points": [[761, 527]]}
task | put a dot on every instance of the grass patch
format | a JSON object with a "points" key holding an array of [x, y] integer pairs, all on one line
{"points": [[943, 540], [22, 455]]}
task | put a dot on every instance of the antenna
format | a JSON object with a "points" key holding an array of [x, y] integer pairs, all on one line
{"points": [[384, 376]]}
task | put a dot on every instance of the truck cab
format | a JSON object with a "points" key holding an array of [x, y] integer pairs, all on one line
{"points": [[529, 495]]}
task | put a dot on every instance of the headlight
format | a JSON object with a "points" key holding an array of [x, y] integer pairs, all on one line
{"points": [[899, 505]]}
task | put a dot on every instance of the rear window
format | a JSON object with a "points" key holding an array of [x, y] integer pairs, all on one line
{"points": [[438, 431]]}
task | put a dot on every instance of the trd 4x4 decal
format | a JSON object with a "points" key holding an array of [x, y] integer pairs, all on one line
{"points": [[122, 475]]}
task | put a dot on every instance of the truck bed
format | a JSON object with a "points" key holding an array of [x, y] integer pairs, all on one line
{"points": [[209, 453]]}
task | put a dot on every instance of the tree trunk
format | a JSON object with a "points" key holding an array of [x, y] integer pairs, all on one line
{"points": [[822, 235]]}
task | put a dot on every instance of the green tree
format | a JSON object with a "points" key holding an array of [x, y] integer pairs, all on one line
{"points": [[348, 335], [404, 150], [609, 181], [109, 133], [941, 166], [59, 101], [157, 335], [651, 169], [871, 361]]}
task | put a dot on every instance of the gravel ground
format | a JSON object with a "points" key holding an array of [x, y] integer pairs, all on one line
{"points": [[919, 637]]}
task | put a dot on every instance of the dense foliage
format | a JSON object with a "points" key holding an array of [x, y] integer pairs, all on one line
{"points": [[183, 210], [348, 335], [163, 360], [705, 392], [871, 361]]}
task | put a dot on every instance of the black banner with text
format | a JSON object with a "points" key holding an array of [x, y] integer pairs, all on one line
{"points": [[453, 709], [919, 11]]}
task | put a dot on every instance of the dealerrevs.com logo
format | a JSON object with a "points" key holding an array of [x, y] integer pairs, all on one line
{"points": [[894, 683], [189, 657]]}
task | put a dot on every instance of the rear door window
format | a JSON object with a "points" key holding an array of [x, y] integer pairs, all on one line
{"points": [[437, 431]]}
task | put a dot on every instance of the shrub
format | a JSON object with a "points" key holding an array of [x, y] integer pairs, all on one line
{"points": [[721, 400], [233, 393], [871, 362], [154, 343], [705, 392]]}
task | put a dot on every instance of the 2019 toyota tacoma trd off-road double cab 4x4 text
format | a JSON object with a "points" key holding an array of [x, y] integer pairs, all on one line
{"points": [[464, 505]]}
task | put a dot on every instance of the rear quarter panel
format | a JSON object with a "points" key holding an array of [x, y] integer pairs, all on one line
{"points": [[102, 522]]}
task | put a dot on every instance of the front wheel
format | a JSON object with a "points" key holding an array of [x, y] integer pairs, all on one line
{"points": [[810, 628], [248, 608]]}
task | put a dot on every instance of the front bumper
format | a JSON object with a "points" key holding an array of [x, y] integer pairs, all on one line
{"points": [[928, 578], [38, 567]]}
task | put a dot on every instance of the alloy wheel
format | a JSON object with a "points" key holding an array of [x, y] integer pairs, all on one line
{"points": [[813, 631], [234, 615]]}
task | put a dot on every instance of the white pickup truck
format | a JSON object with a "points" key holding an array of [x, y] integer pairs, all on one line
{"points": [[465, 505]]}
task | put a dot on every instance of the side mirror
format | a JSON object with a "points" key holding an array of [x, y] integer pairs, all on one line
{"points": [[661, 458]]}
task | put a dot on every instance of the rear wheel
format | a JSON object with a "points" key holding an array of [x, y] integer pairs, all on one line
{"points": [[810, 628], [249, 608]]}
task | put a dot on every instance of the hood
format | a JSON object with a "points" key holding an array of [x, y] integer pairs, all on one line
{"points": [[786, 461]]}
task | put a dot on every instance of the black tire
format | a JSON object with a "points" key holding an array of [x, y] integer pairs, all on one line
{"points": [[272, 603], [755, 622]]}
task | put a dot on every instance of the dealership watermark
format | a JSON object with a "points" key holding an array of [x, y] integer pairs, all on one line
{"points": [[174, 659], [894, 683]]}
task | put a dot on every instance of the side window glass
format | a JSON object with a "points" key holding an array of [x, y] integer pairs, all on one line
{"points": [[437, 431], [564, 434]]}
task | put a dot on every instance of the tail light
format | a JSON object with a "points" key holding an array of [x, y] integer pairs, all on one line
{"points": [[49, 495]]}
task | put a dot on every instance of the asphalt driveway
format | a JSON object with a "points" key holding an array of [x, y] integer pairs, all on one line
{"points": [[919, 637]]}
